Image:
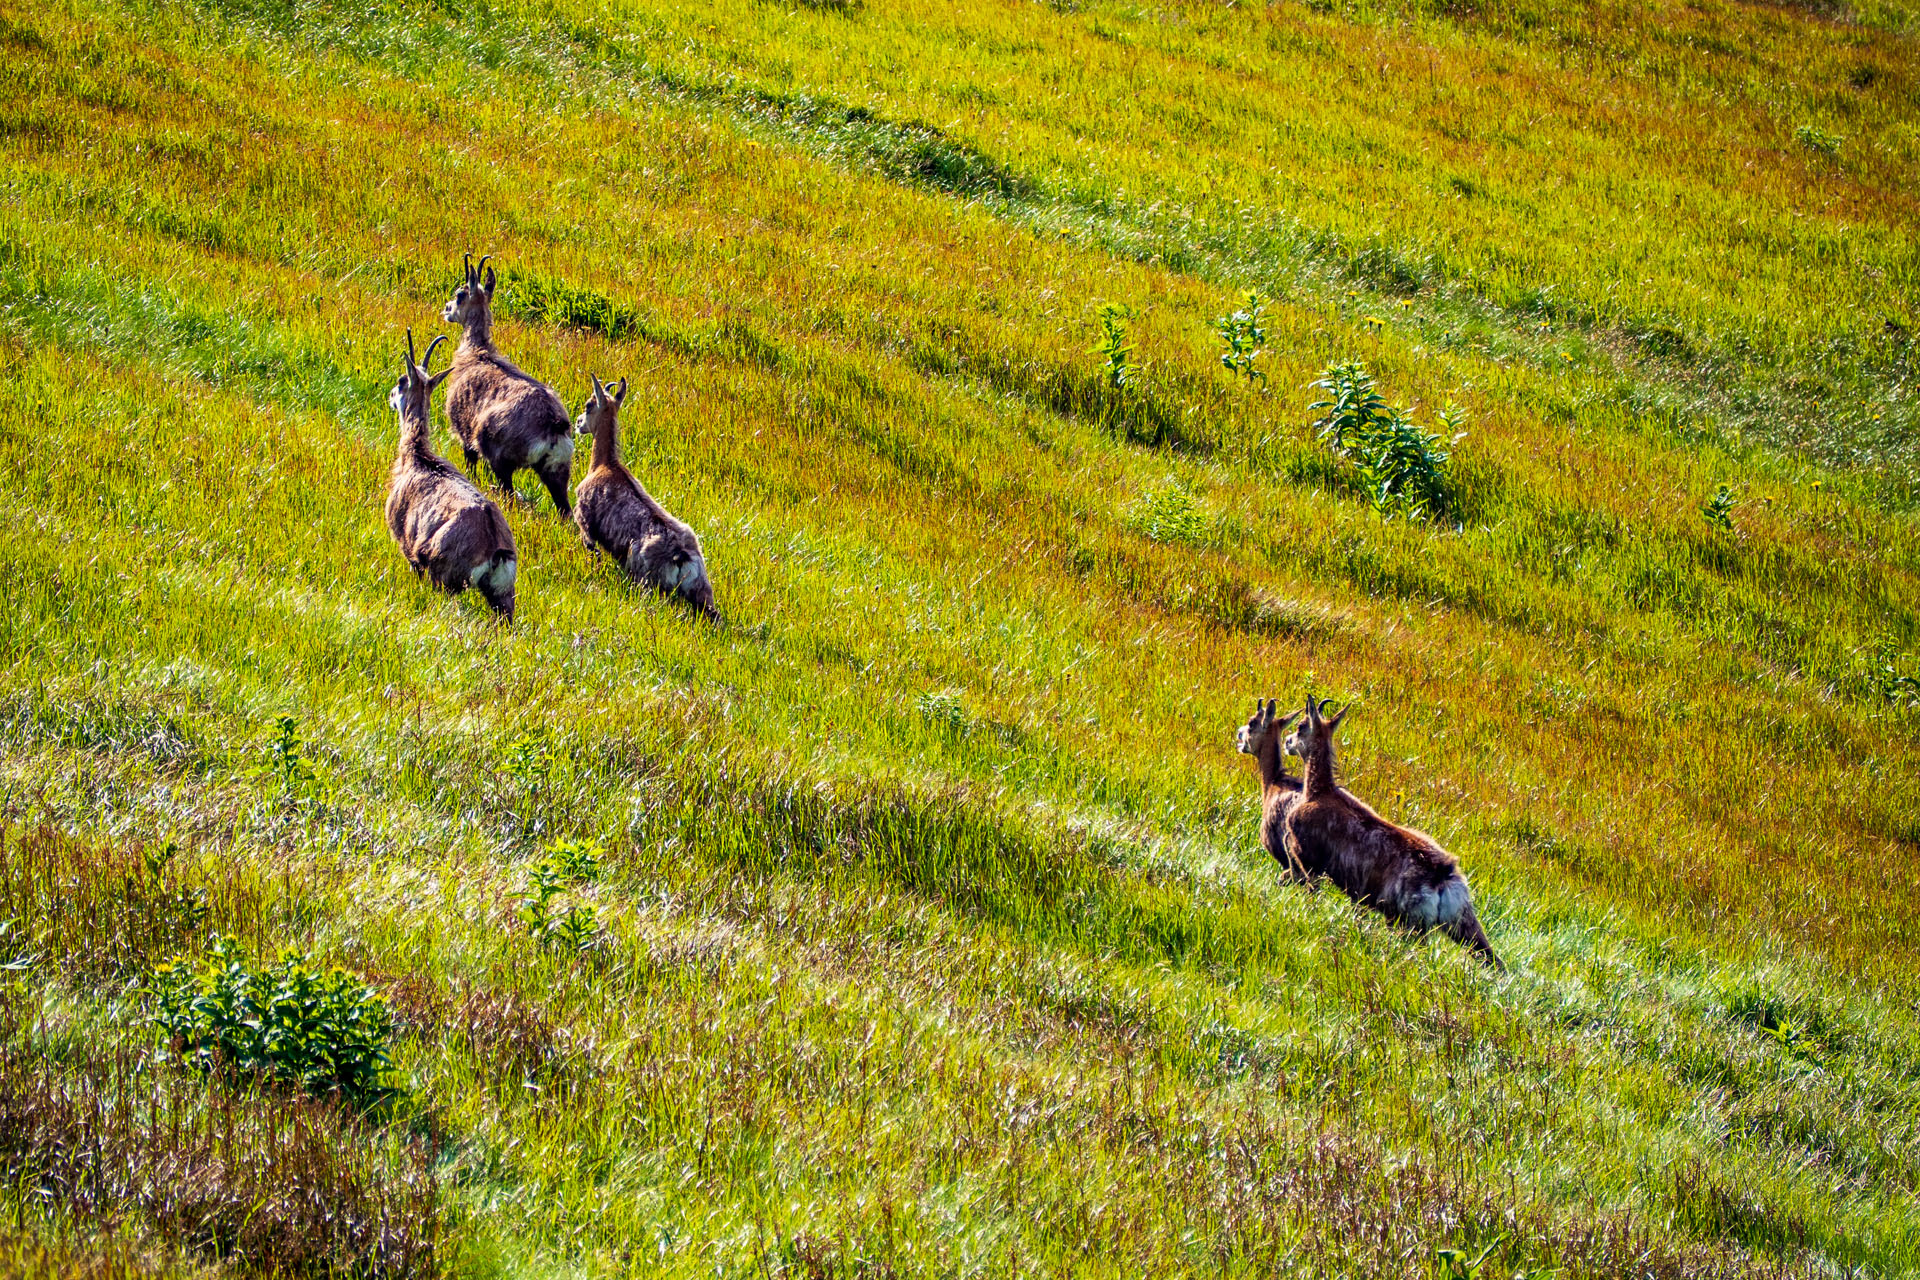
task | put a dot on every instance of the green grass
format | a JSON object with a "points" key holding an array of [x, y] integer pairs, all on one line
{"points": [[930, 932]]}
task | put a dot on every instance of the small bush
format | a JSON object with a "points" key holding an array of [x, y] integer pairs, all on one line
{"points": [[1818, 140], [1172, 514], [576, 861], [325, 1032], [1113, 348], [1718, 510], [1403, 466], [574, 930], [945, 709], [1245, 338]]}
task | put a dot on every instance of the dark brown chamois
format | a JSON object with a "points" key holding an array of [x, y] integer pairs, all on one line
{"points": [[449, 531], [1260, 738], [1395, 870], [616, 514], [500, 412]]}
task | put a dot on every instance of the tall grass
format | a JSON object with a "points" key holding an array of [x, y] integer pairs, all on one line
{"points": [[931, 933]]}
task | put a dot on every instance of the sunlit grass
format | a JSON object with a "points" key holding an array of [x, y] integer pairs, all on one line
{"points": [[935, 935]]}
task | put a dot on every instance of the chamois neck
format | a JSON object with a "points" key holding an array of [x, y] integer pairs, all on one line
{"points": [[606, 441], [1273, 771], [477, 331], [416, 435], [1318, 780]]}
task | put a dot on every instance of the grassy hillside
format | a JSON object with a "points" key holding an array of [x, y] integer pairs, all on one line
{"points": [[928, 931]]}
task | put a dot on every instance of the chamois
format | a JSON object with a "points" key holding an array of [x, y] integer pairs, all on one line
{"points": [[1260, 738], [1397, 871], [498, 411], [450, 533], [616, 513]]}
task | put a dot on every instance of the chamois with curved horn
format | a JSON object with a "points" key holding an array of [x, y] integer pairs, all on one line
{"points": [[1401, 873], [1260, 737], [616, 514], [451, 534], [498, 410]]}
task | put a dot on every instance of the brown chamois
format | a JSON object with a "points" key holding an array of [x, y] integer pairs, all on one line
{"points": [[498, 411], [616, 514], [450, 533], [1260, 738], [1395, 870]]}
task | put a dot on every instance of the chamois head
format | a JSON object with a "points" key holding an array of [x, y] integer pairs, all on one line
{"points": [[472, 303], [1317, 729], [412, 393], [1261, 728], [603, 405]]}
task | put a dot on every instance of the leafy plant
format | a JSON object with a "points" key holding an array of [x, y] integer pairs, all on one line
{"points": [[283, 758], [1172, 514], [1113, 348], [1814, 138], [1402, 465], [323, 1031], [1718, 510], [1894, 676], [944, 708], [575, 861], [573, 930], [1454, 1264], [1245, 337], [528, 766]]}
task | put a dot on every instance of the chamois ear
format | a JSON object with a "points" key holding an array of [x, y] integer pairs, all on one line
{"points": [[599, 392], [1312, 711], [1286, 724], [620, 396], [466, 262], [1338, 716]]}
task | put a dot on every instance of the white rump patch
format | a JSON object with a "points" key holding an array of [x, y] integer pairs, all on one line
{"points": [[1452, 902], [551, 453], [496, 578]]}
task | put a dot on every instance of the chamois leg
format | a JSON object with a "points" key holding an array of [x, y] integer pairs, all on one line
{"points": [[556, 482], [503, 476], [473, 460]]}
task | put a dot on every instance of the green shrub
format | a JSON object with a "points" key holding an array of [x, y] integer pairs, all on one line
{"points": [[574, 930], [1172, 514], [1403, 466], [575, 860], [1245, 338], [325, 1032], [1113, 348], [1816, 139], [1718, 510], [284, 760]]}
